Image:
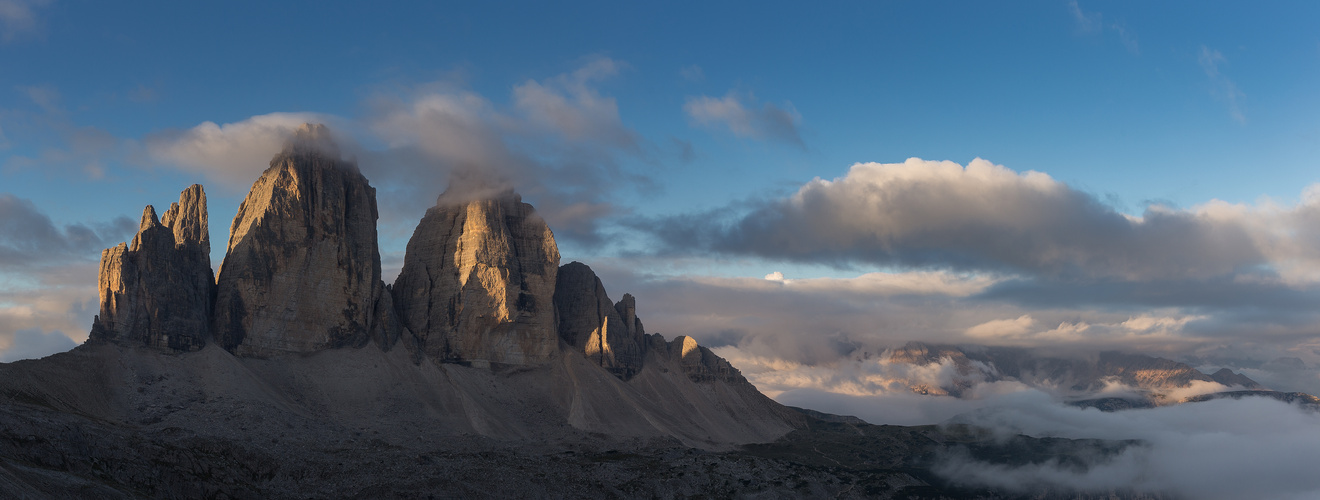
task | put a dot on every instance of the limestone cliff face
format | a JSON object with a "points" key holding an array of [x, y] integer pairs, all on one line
{"points": [[478, 282], [159, 290], [302, 271], [610, 335]]}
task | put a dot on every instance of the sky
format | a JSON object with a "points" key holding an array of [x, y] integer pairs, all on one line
{"points": [[791, 185], [827, 178]]}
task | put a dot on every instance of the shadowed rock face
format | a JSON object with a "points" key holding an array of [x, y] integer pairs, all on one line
{"points": [[610, 335], [478, 282], [302, 271], [158, 291]]}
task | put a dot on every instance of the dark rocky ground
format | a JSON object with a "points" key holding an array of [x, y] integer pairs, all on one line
{"points": [[46, 453]]}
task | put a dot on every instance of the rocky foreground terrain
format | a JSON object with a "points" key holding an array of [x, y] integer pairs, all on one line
{"points": [[486, 369]]}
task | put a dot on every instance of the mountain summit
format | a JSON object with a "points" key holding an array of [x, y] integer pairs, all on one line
{"points": [[302, 270], [298, 340]]}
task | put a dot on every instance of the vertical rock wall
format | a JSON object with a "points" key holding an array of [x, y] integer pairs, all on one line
{"points": [[302, 271], [159, 290], [478, 282], [608, 334]]}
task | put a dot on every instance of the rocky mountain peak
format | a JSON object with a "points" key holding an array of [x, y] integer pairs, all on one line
{"points": [[188, 219], [302, 269], [478, 282], [149, 219], [159, 290]]}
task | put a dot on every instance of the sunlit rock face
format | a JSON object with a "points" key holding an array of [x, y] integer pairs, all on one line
{"points": [[609, 334], [478, 282], [302, 271], [158, 290]]}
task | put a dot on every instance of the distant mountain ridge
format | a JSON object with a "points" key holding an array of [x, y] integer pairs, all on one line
{"points": [[1148, 380]]}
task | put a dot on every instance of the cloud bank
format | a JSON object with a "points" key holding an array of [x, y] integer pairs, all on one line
{"points": [[986, 217], [234, 154], [1221, 449]]}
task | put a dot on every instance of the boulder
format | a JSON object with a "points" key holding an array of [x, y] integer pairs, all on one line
{"points": [[302, 270], [478, 282], [159, 290]]}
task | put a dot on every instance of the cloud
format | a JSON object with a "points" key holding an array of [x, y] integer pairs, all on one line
{"points": [[1093, 23], [234, 154], [692, 73], [559, 143], [1003, 327], [1223, 88], [1254, 447], [32, 343], [1087, 22], [143, 93], [568, 106], [48, 277], [1221, 449], [45, 97], [1127, 37], [19, 18], [985, 217], [769, 122], [29, 238]]}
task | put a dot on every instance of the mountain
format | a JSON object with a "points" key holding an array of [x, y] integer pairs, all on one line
{"points": [[486, 369], [302, 270], [1109, 380]]}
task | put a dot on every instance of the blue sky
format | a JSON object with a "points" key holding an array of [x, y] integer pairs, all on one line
{"points": [[674, 148]]}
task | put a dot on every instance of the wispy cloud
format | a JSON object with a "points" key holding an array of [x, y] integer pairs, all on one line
{"points": [[1087, 22], [570, 106], [692, 73], [742, 116], [1211, 62], [1093, 23], [19, 18], [560, 144], [45, 97]]}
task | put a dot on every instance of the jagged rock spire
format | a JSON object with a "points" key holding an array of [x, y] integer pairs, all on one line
{"points": [[159, 290], [302, 270]]}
